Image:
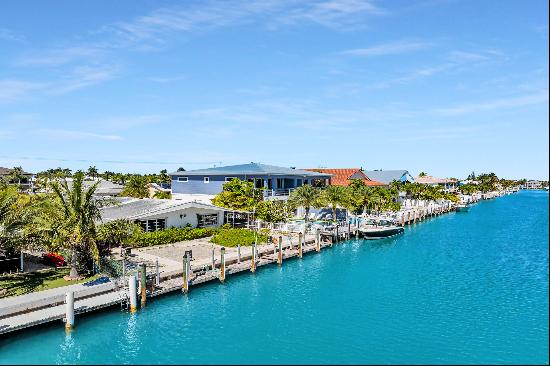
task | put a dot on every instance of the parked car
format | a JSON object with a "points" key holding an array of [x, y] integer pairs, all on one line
{"points": [[53, 259]]}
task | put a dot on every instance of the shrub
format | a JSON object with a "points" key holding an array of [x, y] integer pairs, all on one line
{"points": [[171, 235], [234, 237]]}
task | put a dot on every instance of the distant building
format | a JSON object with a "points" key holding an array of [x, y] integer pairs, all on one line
{"points": [[448, 184], [155, 214], [532, 184], [278, 181], [104, 188], [25, 181], [344, 176], [388, 176]]}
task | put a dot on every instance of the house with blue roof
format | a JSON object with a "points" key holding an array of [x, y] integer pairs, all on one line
{"points": [[277, 181], [388, 176]]}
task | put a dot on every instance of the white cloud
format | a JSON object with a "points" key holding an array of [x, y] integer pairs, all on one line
{"points": [[8, 35], [76, 135], [390, 48], [61, 56], [502, 103], [12, 90]]}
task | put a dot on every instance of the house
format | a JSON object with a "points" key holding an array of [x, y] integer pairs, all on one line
{"points": [[25, 179], [154, 214], [344, 176], [277, 181], [532, 184], [104, 188], [388, 176], [154, 188], [448, 184]]}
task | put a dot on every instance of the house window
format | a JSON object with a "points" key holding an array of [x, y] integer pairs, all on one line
{"points": [[207, 220], [152, 225], [227, 179], [206, 179], [183, 179]]}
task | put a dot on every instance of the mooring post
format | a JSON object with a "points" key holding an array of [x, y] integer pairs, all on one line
{"points": [[280, 254], [143, 283], [253, 265], [157, 277], [132, 293], [403, 219], [349, 230], [337, 233], [22, 264], [300, 253], [69, 310], [185, 286], [222, 264], [238, 253], [318, 240], [213, 260]]}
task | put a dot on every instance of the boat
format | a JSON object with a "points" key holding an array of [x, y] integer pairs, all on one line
{"points": [[462, 207], [379, 228]]}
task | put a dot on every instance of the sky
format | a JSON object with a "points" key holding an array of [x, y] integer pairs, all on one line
{"points": [[441, 86]]}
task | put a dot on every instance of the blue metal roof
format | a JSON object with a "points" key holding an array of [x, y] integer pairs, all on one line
{"points": [[385, 176], [251, 169]]}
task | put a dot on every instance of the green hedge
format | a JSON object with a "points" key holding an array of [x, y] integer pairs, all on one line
{"points": [[233, 237], [172, 235]]}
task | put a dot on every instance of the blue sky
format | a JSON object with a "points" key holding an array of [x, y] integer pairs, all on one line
{"points": [[440, 86]]}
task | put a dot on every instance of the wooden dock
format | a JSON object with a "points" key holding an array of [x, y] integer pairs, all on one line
{"points": [[173, 281]]}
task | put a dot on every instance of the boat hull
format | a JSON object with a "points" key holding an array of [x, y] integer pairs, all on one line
{"points": [[381, 233], [462, 208]]}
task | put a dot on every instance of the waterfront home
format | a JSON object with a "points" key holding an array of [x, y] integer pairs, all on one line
{"points": [[104, 188], [388, 176], [344, 176], [155, 214], [277, 181], [532, 184], [22, 178], [447, 184]]}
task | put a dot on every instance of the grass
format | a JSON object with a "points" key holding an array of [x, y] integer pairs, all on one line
{"points": [[229, 237], [24, 283]]}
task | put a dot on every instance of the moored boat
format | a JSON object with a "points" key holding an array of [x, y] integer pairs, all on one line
{"points": [[462, 207], [379, 228]]}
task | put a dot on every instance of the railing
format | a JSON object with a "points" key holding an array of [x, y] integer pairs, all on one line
{"points": [[277, 192]]}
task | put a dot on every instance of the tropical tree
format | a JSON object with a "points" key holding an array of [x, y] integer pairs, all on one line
{"points": [[92, 172], [136, 187], [274, 211], [15, 214], [162, 195], [181, 169], [422, 174], [238, 195], [78, 211], [333, 196], [118, 232], [306, 196], [164, 177]]}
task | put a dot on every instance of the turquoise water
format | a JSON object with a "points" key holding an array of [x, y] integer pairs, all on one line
{"points": [[461, 288]]}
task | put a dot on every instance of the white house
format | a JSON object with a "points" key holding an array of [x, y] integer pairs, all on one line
{"points": [[155, 214]]}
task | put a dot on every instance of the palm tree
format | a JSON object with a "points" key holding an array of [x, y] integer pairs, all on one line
{"points": [[136, 187], [92, 172], [15, 214], [79, 212], [422, 174], [333, 196], [307, 197]]}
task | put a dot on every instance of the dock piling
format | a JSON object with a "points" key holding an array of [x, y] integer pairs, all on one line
{"points": [[238, 253], [280, 254], [318, 240], [157, 276], [213, 260], [132, 293], [253, 265], [300, 251], [222, 264], [69, 310], [143, 283], [185, 286]]}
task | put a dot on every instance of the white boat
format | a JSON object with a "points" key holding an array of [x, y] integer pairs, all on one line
{"points": [[379, 228], [462, 207]]}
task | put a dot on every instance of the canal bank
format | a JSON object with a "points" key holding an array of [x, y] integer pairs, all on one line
{"points": [[465, 287]]}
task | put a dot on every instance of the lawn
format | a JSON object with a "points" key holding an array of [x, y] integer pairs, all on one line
{"points": [[24, 283]]}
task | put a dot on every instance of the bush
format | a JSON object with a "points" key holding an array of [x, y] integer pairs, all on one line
{"points": [[172, 235], [234, 237]]}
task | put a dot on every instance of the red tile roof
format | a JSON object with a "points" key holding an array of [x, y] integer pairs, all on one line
{"points": [[343, 176]]}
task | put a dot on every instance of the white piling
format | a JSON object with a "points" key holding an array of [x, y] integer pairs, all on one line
{"points": [[22, 264], [238, 253], [222, 264], [69, 310], [132, 293], [213, 260], [157, 278]]}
